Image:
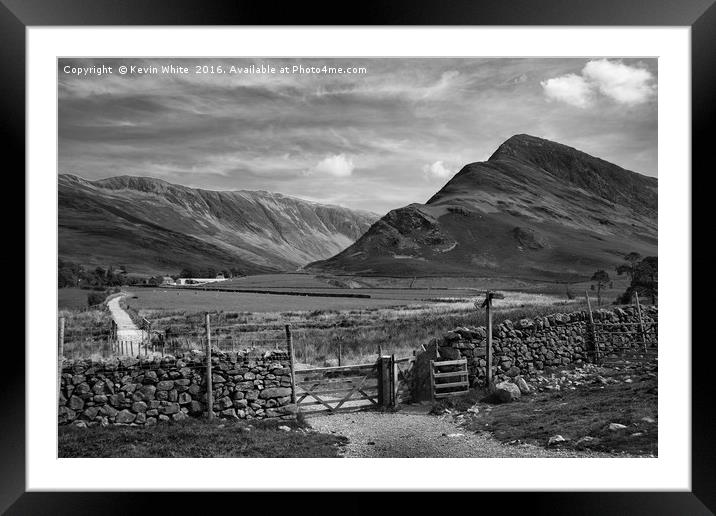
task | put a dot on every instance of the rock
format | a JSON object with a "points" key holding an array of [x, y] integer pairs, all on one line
{"points": [[65, 415], [125, 417], [522, 385], [139, 406], [648, 420], [76, 403], [144, 393], [616, 426], [555, 439], [165, 385], [585, 439], [169, 408], [275, 392], [506, 392], [284, 428], [179, 416], [474, 409]]}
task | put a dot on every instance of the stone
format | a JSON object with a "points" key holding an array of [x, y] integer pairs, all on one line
{"points": [[169, 408], [144, 393], [165, 385], [522, 385], [648, 419], [65, 415], [555, 439], [76, 403], [506, 392], [616, 427], [125, 417], [275, 392], [284, 428], [139, 406]]}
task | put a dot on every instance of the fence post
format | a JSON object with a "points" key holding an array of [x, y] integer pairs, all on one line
{"points": [[60, 355], [393, 381], [488, 351], [209, 386], [385, 382], [131, 348], [289, 343], [642, 332], [340, 353], [432, 380], [592, 330]]}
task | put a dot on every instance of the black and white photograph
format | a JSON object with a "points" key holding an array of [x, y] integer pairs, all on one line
{"points": [[396, 257]]}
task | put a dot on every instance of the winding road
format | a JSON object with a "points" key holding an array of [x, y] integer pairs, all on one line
{"points": [[127, 331]]}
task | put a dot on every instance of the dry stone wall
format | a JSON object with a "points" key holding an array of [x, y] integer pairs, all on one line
{"points": [[152, 390], [524, 347]]}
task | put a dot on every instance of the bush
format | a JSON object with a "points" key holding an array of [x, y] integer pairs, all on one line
{"points": [[96, 298]]}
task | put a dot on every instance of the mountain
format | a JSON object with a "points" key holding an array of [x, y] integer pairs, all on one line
{"points": [[153, 226], [536, 209]]}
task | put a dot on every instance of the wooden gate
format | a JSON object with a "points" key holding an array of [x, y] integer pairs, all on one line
{"points": [[341, 388], [449, 378]]}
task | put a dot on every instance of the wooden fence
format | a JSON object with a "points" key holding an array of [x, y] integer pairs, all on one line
{"points": [[448, 378]]}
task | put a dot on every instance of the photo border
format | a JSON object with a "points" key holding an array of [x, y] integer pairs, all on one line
{"points": [[700, 15]]}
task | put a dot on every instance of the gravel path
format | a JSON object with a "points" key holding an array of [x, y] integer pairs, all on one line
{"points": [[127, 331], [412, 432]]}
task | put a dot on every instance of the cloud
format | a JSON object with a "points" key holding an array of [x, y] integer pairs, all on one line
{"points": [[338, 165], [624, 84], [438, 169], [571, 88]]}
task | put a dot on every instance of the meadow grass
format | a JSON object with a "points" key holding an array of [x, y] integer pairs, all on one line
{"points": [[319, 334], [198, 438]]}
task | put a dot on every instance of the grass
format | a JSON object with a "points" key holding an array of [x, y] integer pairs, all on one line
{"points": [[319, 333], [586, 411], [196, 438]]}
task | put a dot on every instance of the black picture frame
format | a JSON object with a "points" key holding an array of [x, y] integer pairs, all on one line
{"points": [[700, 15]]}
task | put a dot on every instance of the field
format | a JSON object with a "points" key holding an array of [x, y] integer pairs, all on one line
{"points": [[395, 315], [198, 438], [395, 318], [72, 298]]}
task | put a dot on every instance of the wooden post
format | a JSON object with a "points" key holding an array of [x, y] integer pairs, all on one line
{"points": [[432, 380], [340, 353], [488, 353], [289, 343], [393, 381], [642, 333], [384, 363], [209, 386], [592, 330], [380, 351], [60, 355], [131, 348]]}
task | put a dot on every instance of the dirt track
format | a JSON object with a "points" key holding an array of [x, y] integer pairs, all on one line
{"points": [[412, 432], [127, 331]]}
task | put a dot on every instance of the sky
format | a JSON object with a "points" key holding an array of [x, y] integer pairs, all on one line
{"points": [[391, 133]]}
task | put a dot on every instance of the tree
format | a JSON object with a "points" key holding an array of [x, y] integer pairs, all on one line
{"points": [[644, 281], [602, 279], [631, 260]]}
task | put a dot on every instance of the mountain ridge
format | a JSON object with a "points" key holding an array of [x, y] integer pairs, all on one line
{"points": [[151, 225], [535, 208]]}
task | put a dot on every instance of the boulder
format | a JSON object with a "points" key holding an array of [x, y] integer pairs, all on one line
{"points": [[506, 391], [522, 385]]}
